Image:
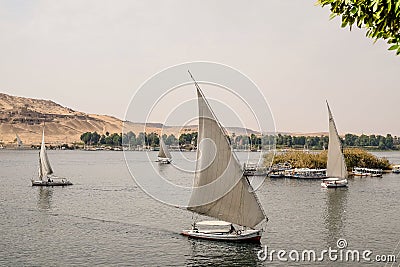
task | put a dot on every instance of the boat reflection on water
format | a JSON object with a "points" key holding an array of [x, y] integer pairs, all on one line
{"points": [[44, 198], [217, 253], [335, 215]]}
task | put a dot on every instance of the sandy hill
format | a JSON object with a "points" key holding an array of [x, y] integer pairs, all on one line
{"points": [[26, 116]]}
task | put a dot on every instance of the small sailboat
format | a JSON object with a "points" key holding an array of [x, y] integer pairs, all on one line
{"points": [[220, 189], [336, 165], [46, 176], [164, 156], [20, 144]]}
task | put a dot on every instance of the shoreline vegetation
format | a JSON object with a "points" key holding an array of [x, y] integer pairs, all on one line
{"points": [[354, 157], [188, 141], [299, 151]]}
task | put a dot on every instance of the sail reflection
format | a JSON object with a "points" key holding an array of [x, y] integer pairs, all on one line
{"points": [[335, 214], [45, 198]]}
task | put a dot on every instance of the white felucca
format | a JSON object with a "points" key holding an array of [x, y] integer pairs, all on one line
{"points": [[164, 156], [220, 189], [336, 168], [19, 141], [46, 176]]}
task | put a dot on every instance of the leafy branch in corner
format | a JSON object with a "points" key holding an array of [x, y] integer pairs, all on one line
{"points": [[381, 18]]}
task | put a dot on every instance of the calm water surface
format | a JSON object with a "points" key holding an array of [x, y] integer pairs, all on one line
{"points": [[106, 219]]}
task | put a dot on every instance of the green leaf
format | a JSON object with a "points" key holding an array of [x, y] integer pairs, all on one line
{"points": [[332, 16], [397, 6], [394, 47]]}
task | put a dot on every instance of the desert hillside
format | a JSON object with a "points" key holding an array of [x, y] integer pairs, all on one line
{"points": [[25, 117]]}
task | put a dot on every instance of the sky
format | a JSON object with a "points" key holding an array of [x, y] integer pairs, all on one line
{"points": [[92, 56]]}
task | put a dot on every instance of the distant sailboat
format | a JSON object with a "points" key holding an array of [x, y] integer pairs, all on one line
{"points": [[46, 176], [19, 141], [220, 189], [336, 165], [163, 155]]}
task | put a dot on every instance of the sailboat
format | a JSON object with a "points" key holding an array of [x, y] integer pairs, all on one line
{"points": [[220, 189], [19, 141], [336, 165], [164, 156], [46, 176]]}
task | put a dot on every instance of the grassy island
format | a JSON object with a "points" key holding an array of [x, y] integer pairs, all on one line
{"points": [[355, 157]]}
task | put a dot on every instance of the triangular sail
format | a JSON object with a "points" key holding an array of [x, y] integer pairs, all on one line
{"points": [[164, 152], [220, 190], [44, 163], [19, 141], [336, 166]]}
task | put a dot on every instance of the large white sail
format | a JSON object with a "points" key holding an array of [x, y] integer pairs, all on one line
{"points": [[164, 152], [220, 190], [336, 166], [44, 163]]}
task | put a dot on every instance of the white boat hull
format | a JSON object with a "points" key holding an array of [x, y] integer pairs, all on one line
{"points": [[334, 184], [164, 160], [250, 236], [52, 182]]}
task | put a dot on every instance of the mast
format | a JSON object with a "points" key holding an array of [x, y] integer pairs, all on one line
{"points": [[220, 190], [336, 165]]}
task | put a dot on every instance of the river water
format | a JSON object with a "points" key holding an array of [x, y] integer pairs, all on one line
{"points": [[106, 219]]}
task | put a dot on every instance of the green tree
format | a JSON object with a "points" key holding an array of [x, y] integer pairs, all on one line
{"points": [[389, 141], [153, 139], [171, 140], [350, 139], [141, 139], [373, 141], [363, 140], [95, 138], [116, 139], [102, 140], [381, 18], [86, 137]]}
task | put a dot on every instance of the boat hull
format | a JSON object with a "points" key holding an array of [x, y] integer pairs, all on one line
{"points": [[164, 160], [246, 236], [52, 183], [334, 184]]}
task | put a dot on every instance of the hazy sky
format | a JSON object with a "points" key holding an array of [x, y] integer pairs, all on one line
{"points": [[92, 55]]}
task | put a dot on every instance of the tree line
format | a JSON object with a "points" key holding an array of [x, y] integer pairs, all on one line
{"points": [[127, 139], [372, 141], [247, 142]]}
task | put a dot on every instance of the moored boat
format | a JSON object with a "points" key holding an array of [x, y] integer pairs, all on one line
{"points": [[396, 169], [252, 169], [306, 173], [357, 171]]}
